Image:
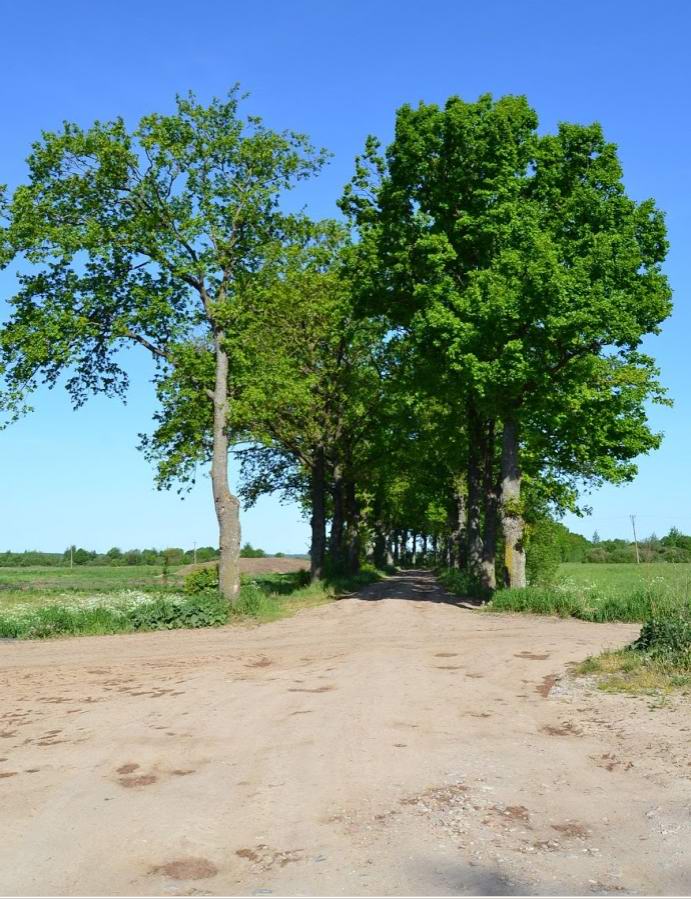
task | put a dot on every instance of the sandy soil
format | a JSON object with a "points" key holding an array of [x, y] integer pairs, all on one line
{"points": [[391, 743]]}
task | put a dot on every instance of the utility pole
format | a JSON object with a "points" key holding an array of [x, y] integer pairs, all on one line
{"points": [[635, 539], [71, 556], [195, 552]]}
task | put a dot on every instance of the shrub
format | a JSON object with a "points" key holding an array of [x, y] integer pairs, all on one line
{"points": [[202, 580], [596, 555], [543, 553], [166, 613], [161, 612], [666, 636], [461, 583]]}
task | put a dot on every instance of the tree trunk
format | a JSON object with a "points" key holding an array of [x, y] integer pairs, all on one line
{"points": [[318, 518], [379, 554], [491, 514], [473, 532], [513, 525], [390, 557], [413, 556], [352, 530], [226, 505], [337, 522], [461, 548]]}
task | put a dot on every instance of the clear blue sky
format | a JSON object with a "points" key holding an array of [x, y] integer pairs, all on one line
{"points": [[337, 71]]}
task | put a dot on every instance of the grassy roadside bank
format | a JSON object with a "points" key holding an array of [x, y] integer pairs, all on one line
{"points": [[658, 661], [39, 614]]}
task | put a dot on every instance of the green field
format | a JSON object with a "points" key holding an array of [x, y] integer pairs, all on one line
{"points": [[83, 577], [625, 577]]}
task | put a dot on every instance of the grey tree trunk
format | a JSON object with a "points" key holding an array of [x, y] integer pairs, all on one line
{"points": [[390, 557], [337, 522], [513, 526], [380, 551], [318, 518], [226, 505], [474, 514], [488, 565], [352, 529]]}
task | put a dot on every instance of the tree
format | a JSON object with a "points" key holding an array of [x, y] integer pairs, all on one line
{"points": [[526, 278], [149, 237], [306, 388]]}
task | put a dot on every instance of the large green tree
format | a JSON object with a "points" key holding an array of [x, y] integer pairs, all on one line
{"points": [[306, 389], [523, 273], [152, 238]]}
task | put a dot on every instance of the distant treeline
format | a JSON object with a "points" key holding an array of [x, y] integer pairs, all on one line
{"points": [[549, 543], [77, 555], [553, 540], [675, 547]]}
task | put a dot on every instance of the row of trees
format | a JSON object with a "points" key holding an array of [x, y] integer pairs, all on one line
{"points": [[440, 368], [77, 555]]}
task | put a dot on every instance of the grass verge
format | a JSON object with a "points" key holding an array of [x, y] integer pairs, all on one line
{"points": [[658, 661], [630, 671], [262, 598], [590, 602]]}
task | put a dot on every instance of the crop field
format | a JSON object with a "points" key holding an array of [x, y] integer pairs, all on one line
{"points": [[49, 578]]}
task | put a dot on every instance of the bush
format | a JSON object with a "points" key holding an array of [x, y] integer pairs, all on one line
{"points": [[202, 580], [162, 612], [166, 613], [543, 553], [461, 583], [596, 555], [666, 636]]}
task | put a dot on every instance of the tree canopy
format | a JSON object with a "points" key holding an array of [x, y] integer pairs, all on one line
{"points": [[432, 378]]}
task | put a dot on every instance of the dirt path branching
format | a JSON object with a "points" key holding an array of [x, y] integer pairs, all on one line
{"points": [[388, 743]]}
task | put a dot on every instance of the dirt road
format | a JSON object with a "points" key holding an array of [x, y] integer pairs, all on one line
{"points": [[387, 744]]}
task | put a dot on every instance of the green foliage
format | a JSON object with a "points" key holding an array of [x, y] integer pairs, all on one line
{"points": [[249, 552], [263, 598], [165, 613], [543, 553], [597, 604], [517, 278], [114, 557], [202, 580], [161, 612], [666, 635], [461, 583]]}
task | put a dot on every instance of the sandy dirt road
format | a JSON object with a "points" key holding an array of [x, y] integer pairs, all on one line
{"points": [[390, 743]]}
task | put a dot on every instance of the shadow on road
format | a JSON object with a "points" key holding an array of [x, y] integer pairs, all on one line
{"points": [[417, 585]]}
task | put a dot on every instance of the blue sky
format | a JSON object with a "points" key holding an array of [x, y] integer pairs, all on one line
{"points": [[337, 71]]}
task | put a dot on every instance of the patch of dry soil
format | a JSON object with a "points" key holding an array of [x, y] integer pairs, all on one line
{"points": [[337, 753]]}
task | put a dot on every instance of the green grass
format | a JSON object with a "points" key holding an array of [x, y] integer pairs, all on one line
{"points": [[631, 671], [623, 577], [592, 592], [30, 611]]}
